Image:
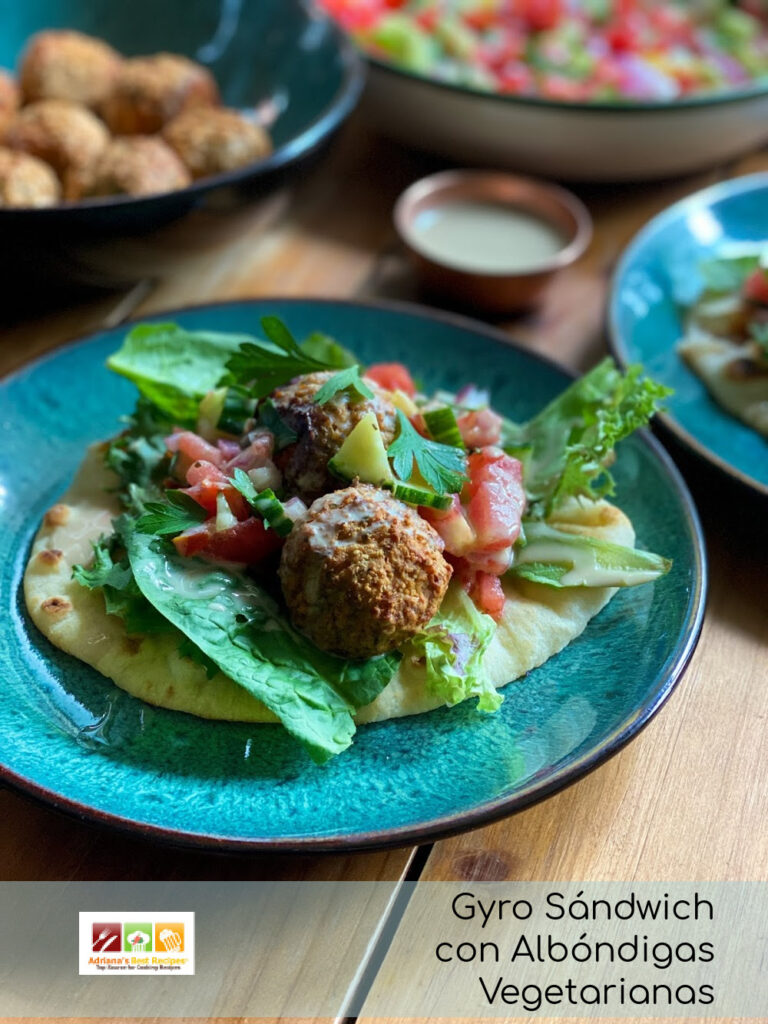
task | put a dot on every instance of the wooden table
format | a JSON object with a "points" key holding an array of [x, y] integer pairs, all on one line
{"points": [[687, 800]]}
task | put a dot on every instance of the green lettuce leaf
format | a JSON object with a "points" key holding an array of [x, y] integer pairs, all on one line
{"points": [[114, 577], [560, 559], [567, 447], [240, 628], [174, 368], [452, 649], [326, 350]]}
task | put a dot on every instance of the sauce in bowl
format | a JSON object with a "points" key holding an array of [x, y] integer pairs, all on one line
{"points": [[486, 237]]}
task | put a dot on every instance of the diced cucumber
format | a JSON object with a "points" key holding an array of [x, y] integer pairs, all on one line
{"points": [[423, 496], [272, 511], [363, 455], [442, 425]]}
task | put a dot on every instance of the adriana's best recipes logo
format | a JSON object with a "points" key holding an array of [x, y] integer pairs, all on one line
{"points": [[142, 943]]}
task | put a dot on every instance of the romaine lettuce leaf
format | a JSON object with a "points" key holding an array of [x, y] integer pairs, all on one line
{"points": [[560, 559], [567, 447], [174, 368], [242, 630], [452, 648]]}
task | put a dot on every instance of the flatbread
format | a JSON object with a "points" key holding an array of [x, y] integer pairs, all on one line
{"points": [[538, 621], [732, 372]]}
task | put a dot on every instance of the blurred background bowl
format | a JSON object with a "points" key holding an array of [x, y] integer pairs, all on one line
{"points": [[280, 55], [567, 141]]}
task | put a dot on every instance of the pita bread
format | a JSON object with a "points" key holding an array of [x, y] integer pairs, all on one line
{"points": [[538, 621], [733, 373]]}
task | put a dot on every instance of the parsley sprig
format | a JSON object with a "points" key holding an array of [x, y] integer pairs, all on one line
{"points": [[175, 515], [443, 467], [265, 365], [345, 380]]}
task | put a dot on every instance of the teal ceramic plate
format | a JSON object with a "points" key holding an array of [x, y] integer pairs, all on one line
{"points": [[71, 738], [657, 276]]}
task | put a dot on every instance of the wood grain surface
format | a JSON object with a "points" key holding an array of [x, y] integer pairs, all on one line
{"points": [[687, 800]]}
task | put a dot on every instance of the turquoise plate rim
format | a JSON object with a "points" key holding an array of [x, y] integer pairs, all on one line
{"points": [[701, 199], [484, 813]]}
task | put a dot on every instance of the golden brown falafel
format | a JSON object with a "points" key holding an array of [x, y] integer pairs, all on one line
{"points": [[321, 430], [26, 181], [149, 92], [362, 572], [66, 65], [9, 100], [136, 165], [65, 135], [211, 140]]}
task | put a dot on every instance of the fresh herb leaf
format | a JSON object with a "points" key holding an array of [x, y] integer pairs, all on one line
{"points": [[326, 350], [345, 380], [244, 632], [722, 276], [567, 447], [174, 368], [442, 466], [178, 513], [270, 418], [759, 333], [264, 365], [138, 455]]}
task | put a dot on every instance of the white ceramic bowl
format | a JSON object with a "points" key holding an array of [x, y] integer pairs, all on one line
{"points": [[568, 141]]}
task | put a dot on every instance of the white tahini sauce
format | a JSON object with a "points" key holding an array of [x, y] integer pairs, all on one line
{"points": [[486, 237]]}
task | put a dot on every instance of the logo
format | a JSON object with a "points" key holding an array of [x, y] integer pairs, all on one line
{"points": [[138, 937], [169, 936], [136, 942], [105, 936]]}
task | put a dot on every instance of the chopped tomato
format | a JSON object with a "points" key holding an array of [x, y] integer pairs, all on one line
{"points": [[495, 498], [480, 427], [392, 377], [756, 287], [193, 540], [193, 446], [542, 14], [249, 542], [488, 594], [207, 482]]}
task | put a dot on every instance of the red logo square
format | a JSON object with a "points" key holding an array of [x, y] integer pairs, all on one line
{"points": [[106, 937]]}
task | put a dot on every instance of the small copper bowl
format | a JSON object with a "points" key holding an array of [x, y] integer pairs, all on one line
{"points": [[498, 291]]}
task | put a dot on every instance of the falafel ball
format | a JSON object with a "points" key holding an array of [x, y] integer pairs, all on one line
{"points": [[65, 135], [26, 181], [150, 91], [362, 572], [211, 140], [67, 65], [321, 430], [136, 165], [9, 100]]}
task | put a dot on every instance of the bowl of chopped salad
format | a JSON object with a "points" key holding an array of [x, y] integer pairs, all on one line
{"points": [[601, 90]]}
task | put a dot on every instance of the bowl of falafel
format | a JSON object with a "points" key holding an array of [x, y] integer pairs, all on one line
{"points": [[122, 117]]}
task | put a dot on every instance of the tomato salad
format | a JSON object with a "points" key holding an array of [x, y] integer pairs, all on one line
{"points": [[568, 50]]}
